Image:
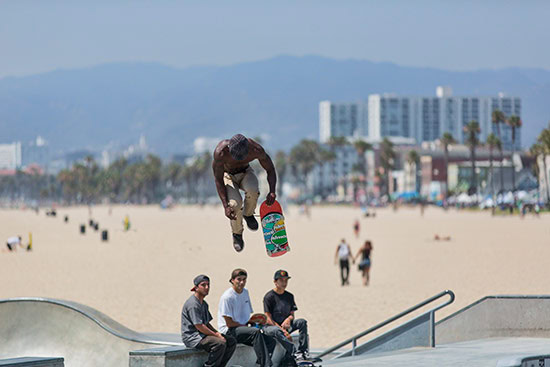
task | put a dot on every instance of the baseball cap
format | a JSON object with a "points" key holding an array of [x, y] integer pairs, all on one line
{"points": [[238, 147], [198, 280], [281, 274]]}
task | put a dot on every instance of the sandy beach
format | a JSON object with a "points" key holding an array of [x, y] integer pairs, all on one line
{"points": [[141, 277]]}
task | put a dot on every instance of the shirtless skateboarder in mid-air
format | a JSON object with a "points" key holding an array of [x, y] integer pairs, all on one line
{"points": [[232, 173]]}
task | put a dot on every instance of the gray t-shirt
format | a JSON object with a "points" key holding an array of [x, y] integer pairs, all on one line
{"points": [[193, 313]]}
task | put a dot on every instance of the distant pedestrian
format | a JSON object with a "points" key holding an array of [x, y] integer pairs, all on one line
{"points": [[364, 266], [343, 254], [198, 332], [29, 246], [356, 228], [126, 223], [13, 242]]}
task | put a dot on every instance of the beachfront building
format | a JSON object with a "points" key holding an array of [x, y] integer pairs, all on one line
{"points": [[348, 120], [10, 156], [428, 118], [421, 118], [36, 152]]}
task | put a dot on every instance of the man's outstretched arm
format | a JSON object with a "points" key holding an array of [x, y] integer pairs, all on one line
{"points": [[267, 164], [217, 167]]}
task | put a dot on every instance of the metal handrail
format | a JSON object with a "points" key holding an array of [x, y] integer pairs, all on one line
{"points": [[354, 338]]}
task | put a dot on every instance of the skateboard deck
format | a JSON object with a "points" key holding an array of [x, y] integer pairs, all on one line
{"points": [[258, 318], [273, 226]]}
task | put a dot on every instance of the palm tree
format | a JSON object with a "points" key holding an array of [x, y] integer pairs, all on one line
{"points": [[361, 148], [447, 139], [387, 161], [337, 142], [537, 151], [472, 129], [303, 158], [499, 118], [515, 123], [544, 141], [493, 142], [413, 158]]}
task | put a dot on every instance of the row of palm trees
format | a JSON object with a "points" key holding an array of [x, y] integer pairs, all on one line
{"points": [[540, 151], [472, 130], [144, 180], [308, 154]]}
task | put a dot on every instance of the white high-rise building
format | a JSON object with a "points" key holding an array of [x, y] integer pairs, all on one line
{"points": [[10, 156], [348, 120], [417, 117]]}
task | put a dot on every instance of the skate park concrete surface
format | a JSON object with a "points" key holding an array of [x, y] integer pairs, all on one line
{"points": [[83, 336], [32, 361], [501, 331]]}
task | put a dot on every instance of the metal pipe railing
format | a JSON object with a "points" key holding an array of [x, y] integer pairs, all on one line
{"points": [[354, 338]]}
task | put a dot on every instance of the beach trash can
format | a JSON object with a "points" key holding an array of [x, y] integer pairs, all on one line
{"points": [[91, 222], [96, 226], [83, 229], [104, 235]]}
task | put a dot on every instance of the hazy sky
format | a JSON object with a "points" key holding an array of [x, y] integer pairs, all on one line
{"points": [[43, 35]]}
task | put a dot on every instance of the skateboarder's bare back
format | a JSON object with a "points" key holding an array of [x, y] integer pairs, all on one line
{"points": [[232, 172]]}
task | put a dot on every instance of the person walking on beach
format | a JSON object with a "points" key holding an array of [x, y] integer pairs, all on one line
{"points": [[343, 254], [198, 332], [364, 265], [234, 315], [279, 307], [232, 172]]}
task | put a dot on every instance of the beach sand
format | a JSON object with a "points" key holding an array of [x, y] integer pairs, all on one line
{"points": [[142, 277]]}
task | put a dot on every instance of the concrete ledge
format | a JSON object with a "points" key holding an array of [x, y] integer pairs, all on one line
{"points": [[32, 361], [189, 357], [497, 316], [523, 361]]}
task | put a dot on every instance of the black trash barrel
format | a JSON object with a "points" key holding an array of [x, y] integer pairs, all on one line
{"points": [[83, 228], [96, 226], [91, 222], [104, 235]]}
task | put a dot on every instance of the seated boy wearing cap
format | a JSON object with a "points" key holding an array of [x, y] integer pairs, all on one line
{"points": [[196, 330], [279, 307]]}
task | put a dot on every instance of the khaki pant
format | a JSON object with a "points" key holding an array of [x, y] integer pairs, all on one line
{"points": [[248, 182]]}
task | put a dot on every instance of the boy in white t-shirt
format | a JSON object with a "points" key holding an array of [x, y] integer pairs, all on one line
{"points": [[233, 317]]}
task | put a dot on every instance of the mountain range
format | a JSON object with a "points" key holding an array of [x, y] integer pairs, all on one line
{"points": [[113, 104]]}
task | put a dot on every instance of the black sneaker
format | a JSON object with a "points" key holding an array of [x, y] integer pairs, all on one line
{"points": [[251, 222], [238, 243]]}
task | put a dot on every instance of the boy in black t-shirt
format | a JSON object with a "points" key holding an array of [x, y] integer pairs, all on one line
{"points": [[279, 307]]}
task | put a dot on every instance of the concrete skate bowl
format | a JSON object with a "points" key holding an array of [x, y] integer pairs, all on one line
{"points": [[42, 327]]}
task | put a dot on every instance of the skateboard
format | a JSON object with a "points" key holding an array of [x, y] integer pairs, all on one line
{"points": [[258, 319], [273, 225]]}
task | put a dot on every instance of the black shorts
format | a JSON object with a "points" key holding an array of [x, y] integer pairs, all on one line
{"points": [[9, 246]]}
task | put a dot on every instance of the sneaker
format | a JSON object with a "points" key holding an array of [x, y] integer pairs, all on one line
{"points": [[302, 356], [238, 243], [251, 222]]}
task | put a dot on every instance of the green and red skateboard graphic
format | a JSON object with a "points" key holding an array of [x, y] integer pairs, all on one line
{"points": [[273, 226]]}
